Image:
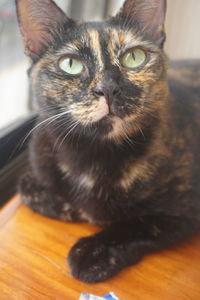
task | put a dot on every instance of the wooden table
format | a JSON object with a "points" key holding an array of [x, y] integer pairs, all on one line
{"points": [[33, 263]]}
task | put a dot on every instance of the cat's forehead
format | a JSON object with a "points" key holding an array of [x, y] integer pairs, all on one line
{"points": [[102, 35], [108, 33]]}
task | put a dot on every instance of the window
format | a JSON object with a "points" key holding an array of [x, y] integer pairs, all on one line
{"points": [[13, 66]]}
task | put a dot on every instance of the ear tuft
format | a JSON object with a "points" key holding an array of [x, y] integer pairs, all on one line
{"points": [[38, 21], [149, 15]]}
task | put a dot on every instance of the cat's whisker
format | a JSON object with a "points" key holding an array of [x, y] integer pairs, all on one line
{"points": [[51, 107], [141, 131], [37, 126], [50, 120], [57, 118], [61, 124], [68, 133], [69, 130], [85, 127], [143, 109], [66, 126], [62, 132], [127, 139]]}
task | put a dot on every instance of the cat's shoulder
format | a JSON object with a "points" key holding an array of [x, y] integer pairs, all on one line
{"points": [[184, 85], [184, 75], [184, 97]]}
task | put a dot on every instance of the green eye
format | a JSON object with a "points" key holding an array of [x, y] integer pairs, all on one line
{"points": [[134, 58], [71, 65]]}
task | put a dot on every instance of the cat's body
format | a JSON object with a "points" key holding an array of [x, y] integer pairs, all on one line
{"points": [[133, 169]]}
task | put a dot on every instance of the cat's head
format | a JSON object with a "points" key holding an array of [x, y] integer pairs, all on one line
{"points": [[105, 79]]}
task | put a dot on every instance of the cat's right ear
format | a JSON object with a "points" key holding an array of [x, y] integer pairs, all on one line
{"points": [[40, 21], [148, 15]]}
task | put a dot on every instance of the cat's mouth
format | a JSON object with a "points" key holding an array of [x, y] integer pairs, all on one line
{"points": [[106, 112], [101, 111], [107, 120], [110, 118], [111, 125], [104, 118]]}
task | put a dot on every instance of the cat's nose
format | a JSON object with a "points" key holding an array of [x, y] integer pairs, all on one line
{"points": [[110, 90]]}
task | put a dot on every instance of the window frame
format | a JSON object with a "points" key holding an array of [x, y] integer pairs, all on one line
{"points": [[14, 155]]}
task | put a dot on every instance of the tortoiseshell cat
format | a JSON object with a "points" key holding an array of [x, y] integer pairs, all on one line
{"points": [[115, 146]]}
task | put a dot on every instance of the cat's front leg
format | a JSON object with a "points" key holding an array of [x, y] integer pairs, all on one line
{"points": [[99, 257], [41, 187], [46, 201]]}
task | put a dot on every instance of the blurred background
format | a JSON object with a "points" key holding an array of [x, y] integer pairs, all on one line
{"points": [[183, 42]]}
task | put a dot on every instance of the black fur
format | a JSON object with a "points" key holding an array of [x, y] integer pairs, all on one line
{"points": [[81, 174]]}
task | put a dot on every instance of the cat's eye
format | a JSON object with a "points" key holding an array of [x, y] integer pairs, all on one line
{"points": [[133, 58], [72, 66]]}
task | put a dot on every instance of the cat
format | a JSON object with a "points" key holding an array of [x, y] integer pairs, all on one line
{"points": [[117, 138]]}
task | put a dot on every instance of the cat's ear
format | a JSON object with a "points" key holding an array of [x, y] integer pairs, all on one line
{"points": [[39, 20], [149, 15]]}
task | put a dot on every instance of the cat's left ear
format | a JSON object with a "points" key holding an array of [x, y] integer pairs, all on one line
{"points": [[149, 15], [39, 21]]}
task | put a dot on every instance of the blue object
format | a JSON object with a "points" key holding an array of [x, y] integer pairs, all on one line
{"points": [[111, 296]]}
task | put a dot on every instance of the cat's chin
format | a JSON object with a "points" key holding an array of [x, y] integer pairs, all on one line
{"points": [[106, 120], [112, 126], [109, 119]]}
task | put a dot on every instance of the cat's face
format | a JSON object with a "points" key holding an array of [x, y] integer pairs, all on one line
{"points": [[104, 79]]}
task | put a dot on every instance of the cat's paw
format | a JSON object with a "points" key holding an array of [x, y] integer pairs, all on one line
{"points": [[91, 260], [43, 201], [39, 198], [31, 192]]}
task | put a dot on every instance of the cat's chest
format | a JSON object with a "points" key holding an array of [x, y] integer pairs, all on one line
{"points": [[105, 180], [87, 179], [102, 194], [79, 178]]}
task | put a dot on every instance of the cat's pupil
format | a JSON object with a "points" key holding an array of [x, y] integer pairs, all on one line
{"points": [[71, 62], [133, 55]]}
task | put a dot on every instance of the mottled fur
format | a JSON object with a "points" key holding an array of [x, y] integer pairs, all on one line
{"points": [[130, 165]]}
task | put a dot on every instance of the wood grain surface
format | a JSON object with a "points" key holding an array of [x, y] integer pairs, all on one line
{"points": [[33, 263]]}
